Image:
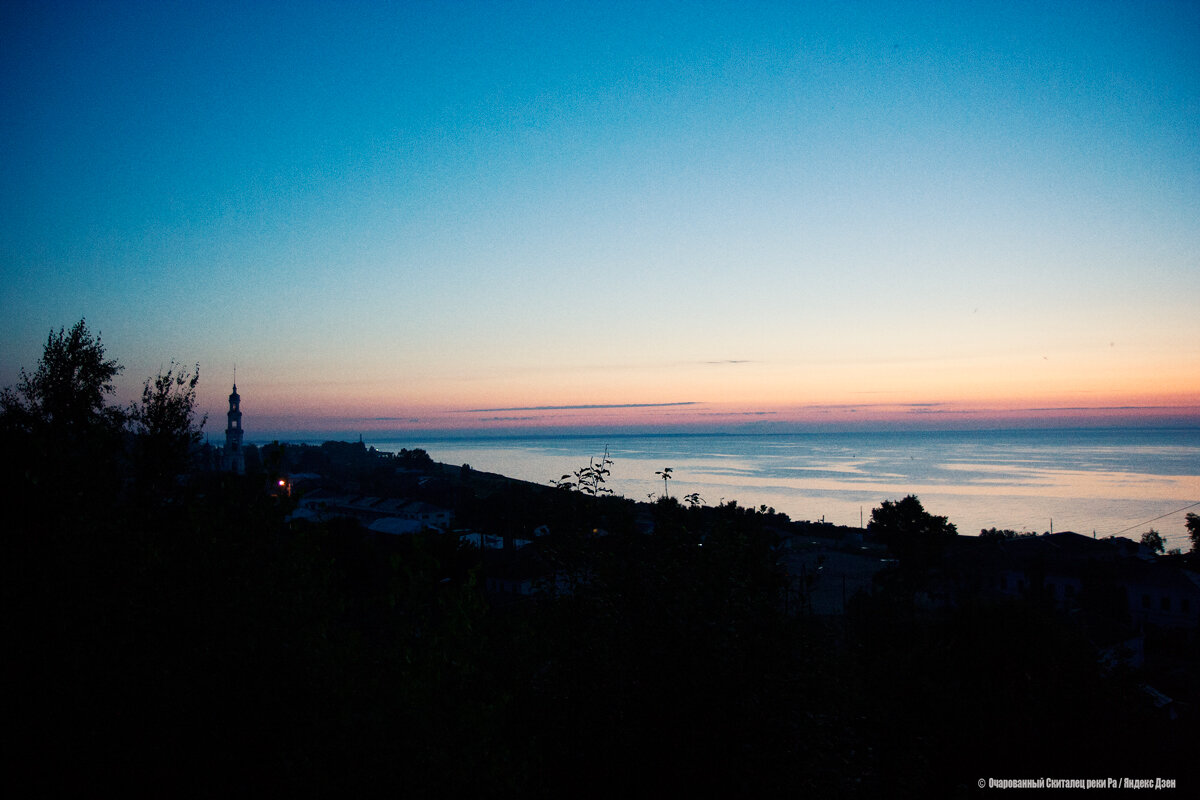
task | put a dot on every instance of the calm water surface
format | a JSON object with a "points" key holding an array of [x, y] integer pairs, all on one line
{"points": [[1105, 481]]}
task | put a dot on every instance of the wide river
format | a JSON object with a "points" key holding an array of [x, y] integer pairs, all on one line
{"points": [[1110, 481]]}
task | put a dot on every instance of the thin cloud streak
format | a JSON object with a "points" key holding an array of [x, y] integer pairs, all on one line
{"points": [[1111, 408], [573, 408]]}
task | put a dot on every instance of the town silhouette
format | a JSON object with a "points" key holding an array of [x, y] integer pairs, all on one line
{"points": [[335, 619]]}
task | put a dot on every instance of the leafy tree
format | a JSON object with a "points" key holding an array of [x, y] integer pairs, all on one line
{"points": [[908, 517], [166, 427], [66, 394], [908, 529], [66, 434], [589, 479], [665, 472], [998, 534], [1193, 529], [419, 459], [1154, 540]]}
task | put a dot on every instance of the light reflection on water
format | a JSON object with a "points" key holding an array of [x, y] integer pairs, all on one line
{"points": [[1083, 480]]}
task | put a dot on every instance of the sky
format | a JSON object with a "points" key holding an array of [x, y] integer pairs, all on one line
{"points": [[729, 216]]}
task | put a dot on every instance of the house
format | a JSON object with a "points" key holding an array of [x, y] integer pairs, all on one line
{"points": [[1164, 596], [371, 510], [1111, 577], [432, 516], [396, 526]]}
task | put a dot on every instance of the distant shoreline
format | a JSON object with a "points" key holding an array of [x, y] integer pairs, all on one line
{"points": [[310, 437], [1082, 479]]}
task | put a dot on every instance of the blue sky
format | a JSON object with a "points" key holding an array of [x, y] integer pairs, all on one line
{"points": [[415, 210]]}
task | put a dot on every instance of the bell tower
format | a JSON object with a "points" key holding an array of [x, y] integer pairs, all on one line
{"points": [[234, 459]]}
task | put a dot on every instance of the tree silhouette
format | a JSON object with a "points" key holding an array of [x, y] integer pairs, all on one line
{"points": [[1154, 540], [665, 472], [66, 394], [69, 438], [166, 427], [588, 480], [908, 529]]}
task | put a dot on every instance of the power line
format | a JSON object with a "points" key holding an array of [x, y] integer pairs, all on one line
{"points": [[1156, 519]]}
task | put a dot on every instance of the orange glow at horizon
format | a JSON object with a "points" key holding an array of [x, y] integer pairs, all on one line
{"points": [[684, 415], [1098, 386]]}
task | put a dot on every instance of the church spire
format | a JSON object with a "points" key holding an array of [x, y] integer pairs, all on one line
{"points": [[233, 458]]}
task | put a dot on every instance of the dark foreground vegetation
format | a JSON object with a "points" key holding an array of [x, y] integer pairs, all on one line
{"points": [[176, 631]]}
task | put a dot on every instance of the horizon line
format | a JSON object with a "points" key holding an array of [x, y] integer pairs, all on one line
{"points": [[631, 431], [574, 408]]}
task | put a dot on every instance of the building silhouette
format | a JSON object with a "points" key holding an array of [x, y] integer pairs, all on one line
{"points": [[233, 459]]}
